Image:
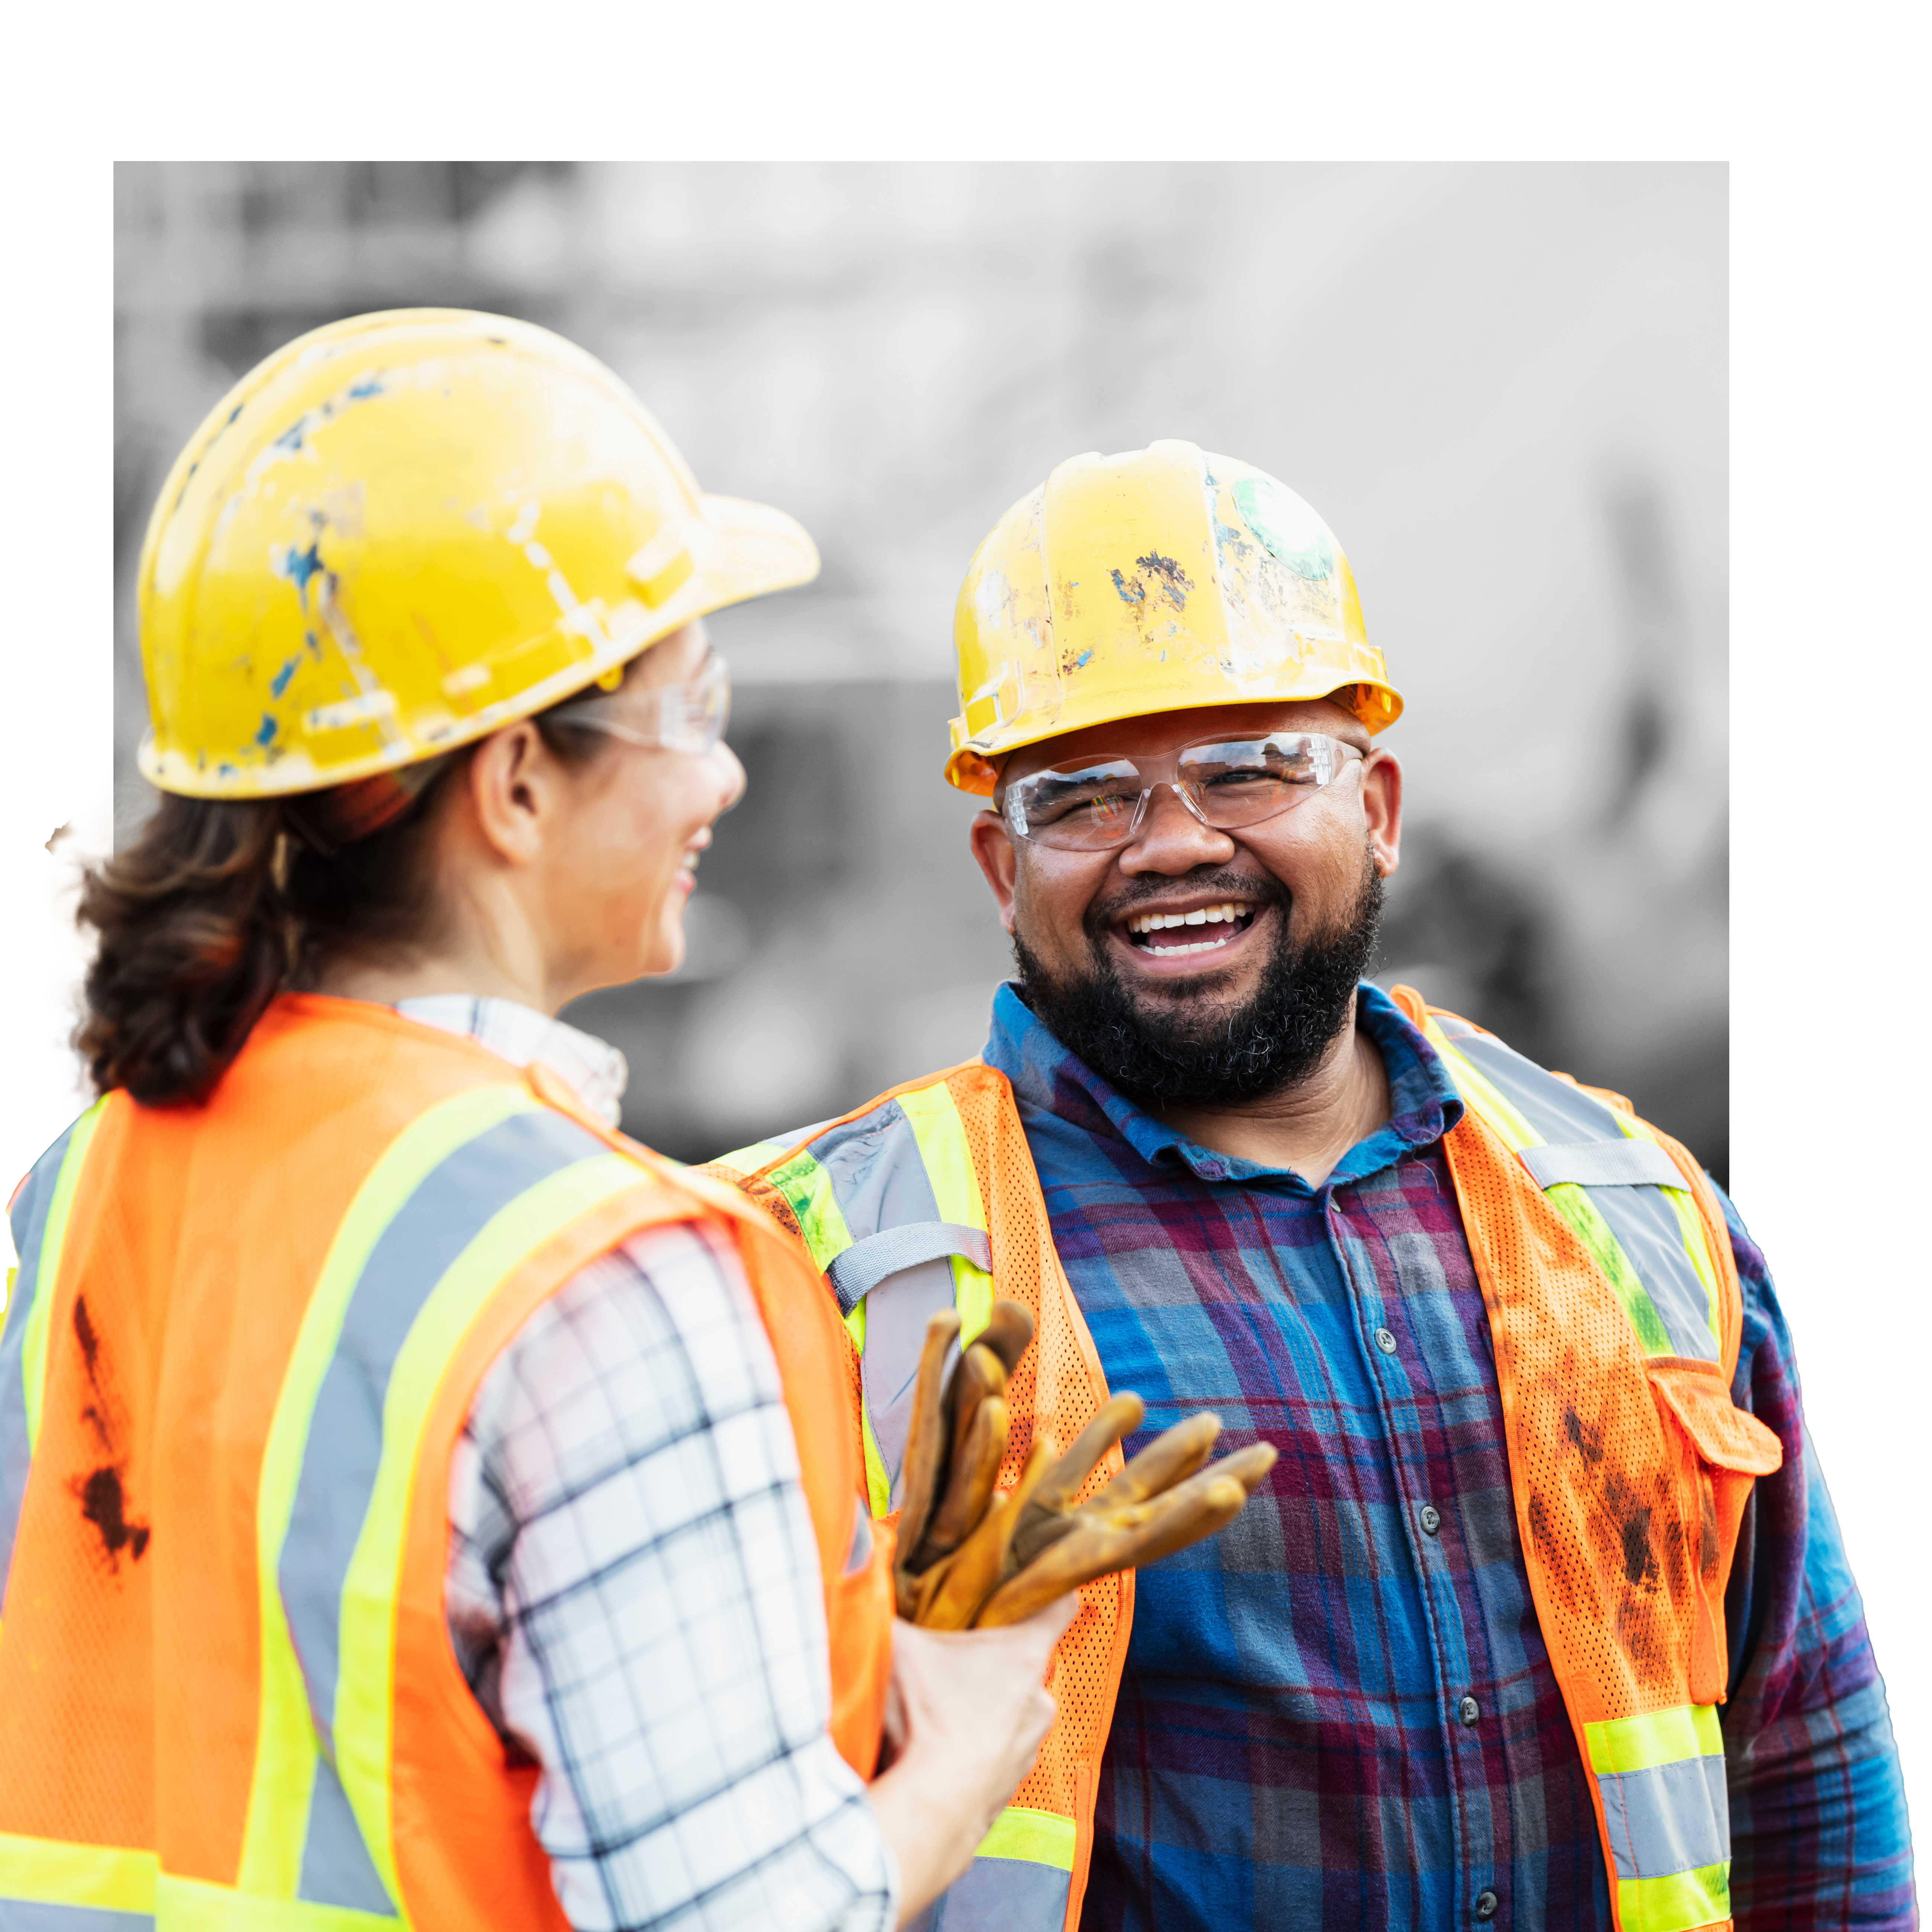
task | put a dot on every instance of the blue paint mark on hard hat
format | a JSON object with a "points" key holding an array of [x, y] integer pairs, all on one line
{"points": [[268, 731], [370, 385], [1135, 592], [1080, 663], [299, 565], [279, 682]]}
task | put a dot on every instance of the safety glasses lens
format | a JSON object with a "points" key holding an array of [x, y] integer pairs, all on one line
{"points": [[1226, 783]]}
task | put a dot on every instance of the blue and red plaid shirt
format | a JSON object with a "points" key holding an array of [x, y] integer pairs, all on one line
{"points": [[1289, 1749]]}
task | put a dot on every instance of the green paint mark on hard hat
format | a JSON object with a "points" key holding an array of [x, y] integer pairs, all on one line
{"points": [[1288, 527]]}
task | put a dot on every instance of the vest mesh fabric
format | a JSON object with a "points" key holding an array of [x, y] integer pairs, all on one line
{"points": [[1087, 1673]]}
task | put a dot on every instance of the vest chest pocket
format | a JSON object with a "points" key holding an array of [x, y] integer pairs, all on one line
{"points": [[1721, 1449]]}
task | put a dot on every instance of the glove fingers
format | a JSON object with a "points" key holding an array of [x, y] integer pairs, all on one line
{"points": [[976, 1467], [1173, 1456], [926, 1444], [966, 1578], [1121, 1540], [1007, 1333], [980, 1376], [1047, 1514]]}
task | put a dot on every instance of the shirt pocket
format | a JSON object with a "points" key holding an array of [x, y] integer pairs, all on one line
{"points": [[1721, 1450]]}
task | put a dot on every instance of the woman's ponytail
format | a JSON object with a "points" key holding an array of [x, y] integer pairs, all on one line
{"points": [[195, 939]]}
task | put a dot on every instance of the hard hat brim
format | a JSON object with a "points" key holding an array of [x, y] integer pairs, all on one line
{"points": [[975, 764]]}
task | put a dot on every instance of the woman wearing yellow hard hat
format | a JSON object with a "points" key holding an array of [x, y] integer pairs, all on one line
{"points": [[400, 1516]]}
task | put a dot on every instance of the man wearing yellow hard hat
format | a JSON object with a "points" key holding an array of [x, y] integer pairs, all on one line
{"points": [[1542, 1617]]}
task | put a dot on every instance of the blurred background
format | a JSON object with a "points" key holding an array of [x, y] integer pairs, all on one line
{"points": [[1503, 387]]}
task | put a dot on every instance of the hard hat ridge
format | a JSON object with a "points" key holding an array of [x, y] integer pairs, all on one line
{"points": [[1157, 580]]}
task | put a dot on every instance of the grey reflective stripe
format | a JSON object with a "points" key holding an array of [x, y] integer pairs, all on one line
{"points": [[1580, 1129], [1672, 1818], [1000, 1895], [1647, 1229], [1558, 1111], [28, 1222], [896, 1313], [344, 1446], [878, 1176], [1619, 1163], [873, 1167], [858, 1552], [336, 1866], [866, 1263], [30, 1916]]}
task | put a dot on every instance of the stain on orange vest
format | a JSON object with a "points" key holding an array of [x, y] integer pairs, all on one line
{"points": [[240, 1349]]}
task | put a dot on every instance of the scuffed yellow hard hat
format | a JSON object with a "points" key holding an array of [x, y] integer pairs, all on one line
{"points": [[406, 530], [1159, 580]]}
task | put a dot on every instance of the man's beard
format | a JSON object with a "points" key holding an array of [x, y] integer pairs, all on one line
{"points": [[1185, 1046]]}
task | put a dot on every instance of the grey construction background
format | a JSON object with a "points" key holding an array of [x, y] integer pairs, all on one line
{"points": [[1504, 387]]}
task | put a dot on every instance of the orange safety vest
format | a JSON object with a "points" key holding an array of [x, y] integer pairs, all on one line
{"points": [[1614, 1305], [240, 1349]]}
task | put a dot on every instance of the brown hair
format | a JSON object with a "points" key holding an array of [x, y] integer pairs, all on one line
{"points": [[220, 904]]}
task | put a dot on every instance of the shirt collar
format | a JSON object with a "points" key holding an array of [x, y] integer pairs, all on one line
{"points": [[1424, 1103], [596, 1073]]}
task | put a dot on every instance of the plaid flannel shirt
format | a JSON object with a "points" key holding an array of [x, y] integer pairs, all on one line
{"points": [[633, 1587], [1287, 1748]]}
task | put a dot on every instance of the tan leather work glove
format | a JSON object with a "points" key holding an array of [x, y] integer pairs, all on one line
{"points": [[970, 1556]]}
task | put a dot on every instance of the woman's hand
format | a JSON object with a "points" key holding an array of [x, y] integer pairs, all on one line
{"points": [[964, 1716]]}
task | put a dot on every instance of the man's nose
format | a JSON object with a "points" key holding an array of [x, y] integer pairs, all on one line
{"points": [[1171, 840]]}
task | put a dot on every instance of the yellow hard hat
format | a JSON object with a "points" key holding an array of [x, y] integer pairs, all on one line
{"points": [[1154, 581], [403, 532]]}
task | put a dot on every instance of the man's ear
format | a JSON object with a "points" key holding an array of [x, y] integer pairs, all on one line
{"points": [[1381, 806], [993, 849]]}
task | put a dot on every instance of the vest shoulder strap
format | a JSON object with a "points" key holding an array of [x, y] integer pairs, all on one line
{"points": [[1638, 1202]]}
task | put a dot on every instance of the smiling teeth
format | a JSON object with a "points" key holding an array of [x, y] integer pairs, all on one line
{"points": [[1153, 922]]}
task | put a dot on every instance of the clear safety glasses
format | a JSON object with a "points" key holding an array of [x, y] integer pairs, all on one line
{"points": [[676, 717], [1226, 783]]}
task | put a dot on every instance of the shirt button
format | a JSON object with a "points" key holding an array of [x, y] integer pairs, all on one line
{"points": [[1385, 1341], [1431, 1519], [1486, 1905], [1468, 1710]]}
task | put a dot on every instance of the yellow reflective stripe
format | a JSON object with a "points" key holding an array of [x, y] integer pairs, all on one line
{"points": [[1660, 1737], [1677, 1903], [286, 1751], [49, 1871], [34, 1341], [1689, 1223], [808, 1187], [747, 1160], [878, 1483], [948, 1161], [1040, 1837], [1573, 1203], [193, 1905], [364, 1683]]}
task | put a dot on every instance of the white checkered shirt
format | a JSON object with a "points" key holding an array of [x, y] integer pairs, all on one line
{"points": [[634, 1589]]}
